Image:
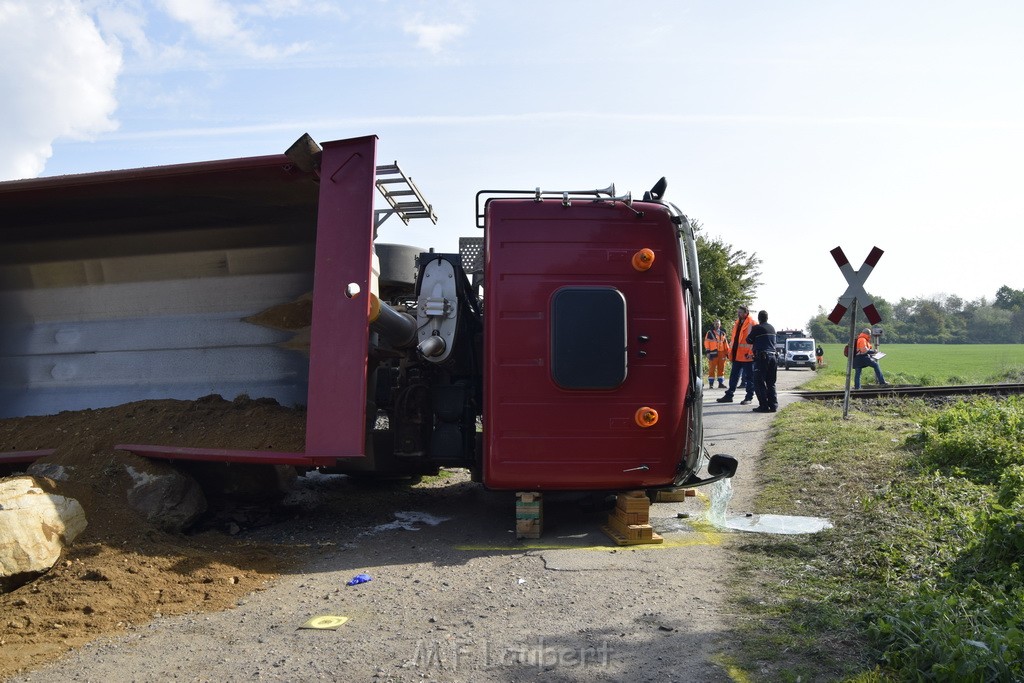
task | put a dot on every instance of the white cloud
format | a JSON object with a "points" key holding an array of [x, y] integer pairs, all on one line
{"points": [[288, 8], [433, 37], [124, 21], [216, 23], [57, 79]]}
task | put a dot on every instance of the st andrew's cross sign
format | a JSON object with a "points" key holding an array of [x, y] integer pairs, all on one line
{"points": [[855, 286]]}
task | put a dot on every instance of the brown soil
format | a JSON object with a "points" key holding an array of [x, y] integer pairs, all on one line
{"points": [[121, 570]]}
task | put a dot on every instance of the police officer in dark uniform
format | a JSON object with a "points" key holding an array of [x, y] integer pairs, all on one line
{"points": [[762, 338]]}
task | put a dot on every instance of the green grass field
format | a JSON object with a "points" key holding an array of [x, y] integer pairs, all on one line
{"points": [[929, 365]]}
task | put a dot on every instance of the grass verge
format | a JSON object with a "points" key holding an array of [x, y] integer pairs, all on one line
{"points": [[918, 579]]}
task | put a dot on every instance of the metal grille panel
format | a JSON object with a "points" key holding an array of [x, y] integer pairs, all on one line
{"points": [[471, 249]]}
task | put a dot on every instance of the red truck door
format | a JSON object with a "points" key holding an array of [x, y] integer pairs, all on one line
{"points": [[585, 340]]}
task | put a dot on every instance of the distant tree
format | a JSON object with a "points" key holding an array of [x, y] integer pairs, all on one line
{"points": [[952, 304], [1009, 299], [928, 323], [728, 277], [903, 310], [1017, 326], [822, 329], [991, 325], [956, 321]]}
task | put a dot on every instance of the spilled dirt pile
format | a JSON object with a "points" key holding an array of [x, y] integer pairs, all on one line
{"points": [[122, 570]]}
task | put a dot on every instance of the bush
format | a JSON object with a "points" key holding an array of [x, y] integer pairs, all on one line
{"points": [[973, 635], [978, 438], [1002, 527], [964, 620]]}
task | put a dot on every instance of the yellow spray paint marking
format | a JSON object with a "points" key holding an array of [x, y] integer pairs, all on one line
{"points": [[734, 672], [702, 538], [706, 534], [325, 621]]}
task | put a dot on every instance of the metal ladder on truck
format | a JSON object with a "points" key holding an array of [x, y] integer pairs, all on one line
{"points": [[404, 198]]}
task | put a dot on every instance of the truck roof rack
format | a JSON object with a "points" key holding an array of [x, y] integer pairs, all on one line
{"points": [[404, 198], [538, 195]]}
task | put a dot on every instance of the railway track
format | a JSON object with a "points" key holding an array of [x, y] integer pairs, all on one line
{"points": [[910, 391]]}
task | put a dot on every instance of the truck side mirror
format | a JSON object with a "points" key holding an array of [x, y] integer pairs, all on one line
{"points": [[722, 466], [658, 191]]}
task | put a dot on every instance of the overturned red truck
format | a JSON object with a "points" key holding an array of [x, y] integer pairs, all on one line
{"points": [[559, 351]]}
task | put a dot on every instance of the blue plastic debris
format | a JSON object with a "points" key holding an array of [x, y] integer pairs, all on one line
{"points": [[358, 578]]}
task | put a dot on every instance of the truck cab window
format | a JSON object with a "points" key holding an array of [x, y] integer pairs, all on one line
{"points": [[588, 338]]}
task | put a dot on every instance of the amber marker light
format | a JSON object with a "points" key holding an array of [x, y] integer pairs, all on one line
{"points": [[643, 260], [646, 417], [374, 308]]}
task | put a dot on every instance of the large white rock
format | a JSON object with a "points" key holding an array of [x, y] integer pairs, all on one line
{"points": [[35, 526]]}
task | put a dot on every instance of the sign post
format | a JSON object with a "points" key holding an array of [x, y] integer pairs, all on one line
{"points": [[851, 347], [854, 295]]}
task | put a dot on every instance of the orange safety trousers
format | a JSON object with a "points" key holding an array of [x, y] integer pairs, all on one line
{"points": [[716, 367]]}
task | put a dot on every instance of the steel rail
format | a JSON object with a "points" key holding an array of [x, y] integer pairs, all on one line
{"points": [[911, 391]]}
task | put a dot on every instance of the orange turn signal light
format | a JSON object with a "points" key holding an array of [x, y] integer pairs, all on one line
{"points": [[643, 260], [374, 308], [646, 417]]}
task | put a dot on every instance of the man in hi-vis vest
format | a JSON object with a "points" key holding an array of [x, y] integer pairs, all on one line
{"points": [[716, 347], [742, 357]]}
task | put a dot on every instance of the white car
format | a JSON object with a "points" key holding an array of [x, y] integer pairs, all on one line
{"points": [[799, 353]]}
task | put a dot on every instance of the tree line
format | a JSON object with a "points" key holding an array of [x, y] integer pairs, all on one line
{"points": [[730, 276], [947, 319]]}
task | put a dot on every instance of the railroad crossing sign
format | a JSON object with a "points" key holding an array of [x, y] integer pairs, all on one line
{"points": [[855, 286]]}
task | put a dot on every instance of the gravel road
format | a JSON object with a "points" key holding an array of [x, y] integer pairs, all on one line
{"points": [[454, 597]]}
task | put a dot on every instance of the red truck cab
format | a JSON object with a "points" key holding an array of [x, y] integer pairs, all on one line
{"points": [[589, 328]]}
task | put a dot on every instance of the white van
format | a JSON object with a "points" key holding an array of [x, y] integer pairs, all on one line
{"points": [[799, 353]]}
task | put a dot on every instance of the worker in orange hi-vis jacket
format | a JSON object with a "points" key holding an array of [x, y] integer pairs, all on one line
{"points": [[741, 354], [864, 357], [716, 347]]}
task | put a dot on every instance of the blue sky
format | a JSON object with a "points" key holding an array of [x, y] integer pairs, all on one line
{"points": [[785, 128]]}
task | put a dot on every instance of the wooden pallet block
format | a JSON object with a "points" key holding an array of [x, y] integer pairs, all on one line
{"points": [[677, 496], [630, 503], [632, 517], [622, 540], [529, 528], [529, 514], [629, 522], [632, 532]]}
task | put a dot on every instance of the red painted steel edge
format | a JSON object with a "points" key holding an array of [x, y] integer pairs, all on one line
{"points": [[223, 455], [14, 457], [339, 344]]}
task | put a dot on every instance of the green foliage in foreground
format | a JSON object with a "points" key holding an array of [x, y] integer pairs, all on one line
{"points": [[920, 578], [930, 365], [976, 440], [970, 634]]}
